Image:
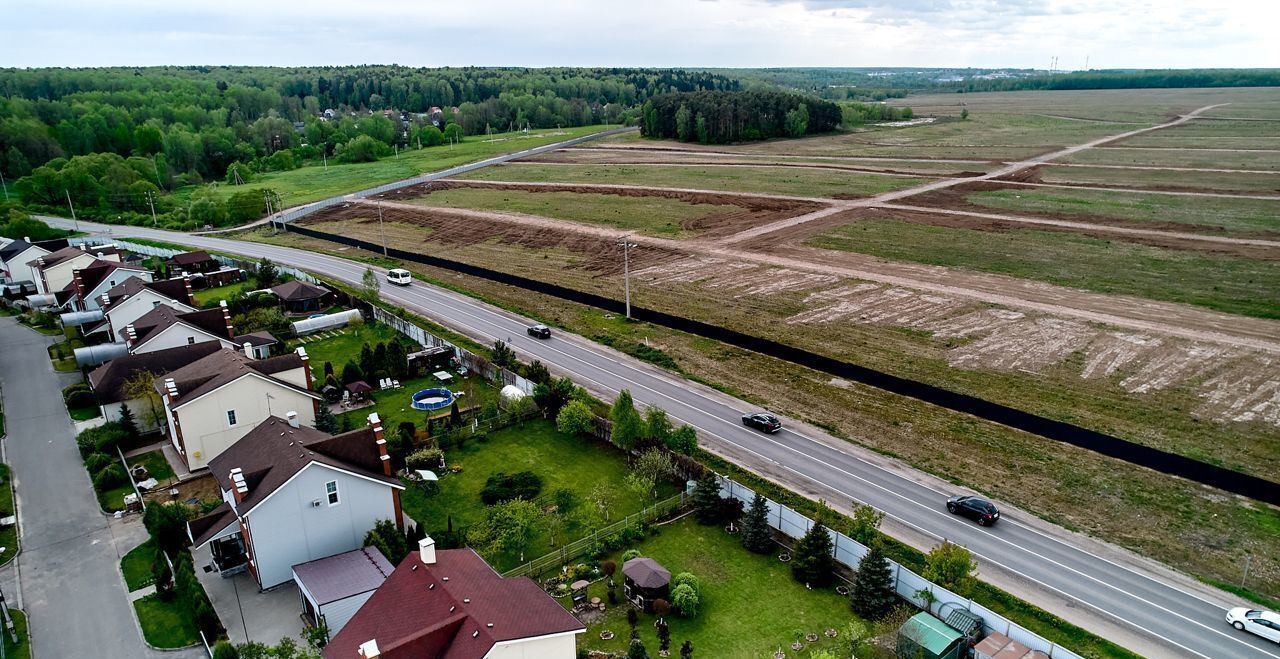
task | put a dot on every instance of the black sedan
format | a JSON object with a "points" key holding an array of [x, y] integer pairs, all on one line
{"points": [[762, 421], [539, 331], [975, 508]]}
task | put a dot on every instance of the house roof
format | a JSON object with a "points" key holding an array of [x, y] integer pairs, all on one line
{"points": [[255, 339], [174, 289], [191, 258], [646, 572], [930, 633], [343, 575], [445, 611], [163, 316], [273, 452], [97, 272], [15, 248], [205, 528], [109, 379], [68, 253], [295, 290], [226, 365]]}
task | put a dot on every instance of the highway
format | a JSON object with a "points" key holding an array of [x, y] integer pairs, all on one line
{"points": [[1169, 618]]}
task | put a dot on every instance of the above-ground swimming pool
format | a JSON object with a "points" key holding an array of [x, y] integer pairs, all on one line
{"points": [[432, 399]]}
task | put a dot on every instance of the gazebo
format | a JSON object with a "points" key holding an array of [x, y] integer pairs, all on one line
{"points": [[645, 580], [358, 389], [301, 297]]}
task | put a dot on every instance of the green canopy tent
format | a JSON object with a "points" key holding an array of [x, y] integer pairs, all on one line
{"points": [[925, 637]]}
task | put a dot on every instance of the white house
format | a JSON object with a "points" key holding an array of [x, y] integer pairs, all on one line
{"points": [[333, 588], [165, 327], [211, 403], [124, 304], [91, 283], [52, 272], [449, 604], [110, 382], [293, 494], [14, 258]]}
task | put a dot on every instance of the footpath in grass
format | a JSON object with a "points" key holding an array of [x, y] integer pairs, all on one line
{"points": [[750, 604], [165, 624]]}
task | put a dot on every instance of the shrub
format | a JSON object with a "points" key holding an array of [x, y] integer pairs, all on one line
{"points": [[424, 458], [162, 576], [951, 566], [608, 568], [630, 554], [96, 462], [109, 477], [687, 579], [575, 418], [685, 600], [388, 539], [101, 439], [167, 524], [503, 487], [80, 398], [224, 650]]}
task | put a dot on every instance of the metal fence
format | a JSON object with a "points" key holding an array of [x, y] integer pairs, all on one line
{"points": [[166, 252], [906, 583]]}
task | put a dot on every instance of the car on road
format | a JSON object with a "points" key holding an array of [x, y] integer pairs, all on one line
{"points": [[976, 508], [539, 331], [399, 276], [762, 421], [1263, 623]]}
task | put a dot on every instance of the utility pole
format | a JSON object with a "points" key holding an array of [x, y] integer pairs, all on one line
{"points": [[1247, 560], [73, 209], [5, 186], [266, 198], [151, 201], [626, 244], [382, 229], [324, 157]]}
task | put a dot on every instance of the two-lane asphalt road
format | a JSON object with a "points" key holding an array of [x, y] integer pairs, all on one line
{"points": [[1169, 618]]}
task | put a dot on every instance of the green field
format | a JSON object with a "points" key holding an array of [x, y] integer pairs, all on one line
{"points": [[561, 461], [735, 620], [21, 649], [793, 182], [1190, 158], [657, 216], [1232, 215], [316, 182], [1249, 183], [1229, 284]]}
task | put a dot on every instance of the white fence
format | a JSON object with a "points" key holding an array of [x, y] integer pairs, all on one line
{"points": [[907, 583], [470, 360]]}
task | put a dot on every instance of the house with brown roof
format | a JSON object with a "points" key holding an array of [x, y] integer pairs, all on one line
{"points": [[90, 283], [293, 494], [110, 382], [129, 300], [213, 402], [52, 272], [15, 255], [449, 604], [165, 327], [192, 262], [301, 297]]}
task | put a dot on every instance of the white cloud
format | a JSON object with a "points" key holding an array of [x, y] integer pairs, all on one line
{"points": [[725, 33]]}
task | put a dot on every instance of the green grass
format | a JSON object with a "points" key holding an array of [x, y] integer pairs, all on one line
{"points": [[750, 603], [1231, 215], [8, 534], [343, 348], [85, 413], [156, 464], [794, 182], [21, 649], [211, 296], [1224, 283], [1199, 159], [136, 566], [650, 215], [561, 461], [1263, 183], [315, 182], [393, 405], [165, 624]]}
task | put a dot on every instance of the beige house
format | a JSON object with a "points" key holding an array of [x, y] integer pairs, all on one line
{"points": [[211, 403], [52, 272], [131, 299]]}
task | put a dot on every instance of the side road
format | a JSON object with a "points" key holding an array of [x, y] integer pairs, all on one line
{"points": [[68, 571]]}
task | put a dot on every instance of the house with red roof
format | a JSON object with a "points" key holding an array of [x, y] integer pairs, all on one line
{"points": [[449, 604]]}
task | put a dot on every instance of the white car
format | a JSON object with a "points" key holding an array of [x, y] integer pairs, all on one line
{"points": [[1263, 623], [399, 276]]}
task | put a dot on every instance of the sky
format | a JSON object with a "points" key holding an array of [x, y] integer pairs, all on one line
{"points": [[650, 33]]}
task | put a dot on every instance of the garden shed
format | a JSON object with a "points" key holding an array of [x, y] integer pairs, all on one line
{"points": [[335, 587], [645, 580], [925, 637]]}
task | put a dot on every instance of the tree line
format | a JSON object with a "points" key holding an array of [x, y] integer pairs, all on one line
{"points": [[715, 117], [1154, 79]]}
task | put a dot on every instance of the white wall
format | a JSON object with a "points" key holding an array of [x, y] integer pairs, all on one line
{"points": [[58, 276], [133, 308], [141, 413], [177, 335], [287, 530], [338, 614], [93, 298], [17, 266], [559, 646], [204, 421]]}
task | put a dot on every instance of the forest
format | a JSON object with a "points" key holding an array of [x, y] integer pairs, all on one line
{"points": [[713, 117], [1153, 79]]}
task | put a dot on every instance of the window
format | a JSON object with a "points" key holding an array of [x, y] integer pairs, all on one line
{"points": [[191, 340], [231, 417], [331, 489]]}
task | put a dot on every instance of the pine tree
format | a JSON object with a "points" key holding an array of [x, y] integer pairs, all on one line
{"points": [[637, 650], [127, 421], [756, 534], [813, 563], [686, 650], [627, 425], [873, 595], [706, 499], [325, 420]]}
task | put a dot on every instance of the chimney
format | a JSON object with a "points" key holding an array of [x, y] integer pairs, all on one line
{"points": [[306, 365], [170, 388], [248, 349], [106, 300], [293, 419], [132, 337], [381, 441], [84, 247], [26, 239], [238, 487], [427, 551], [369, 649], [226, 316], [191, 295]]}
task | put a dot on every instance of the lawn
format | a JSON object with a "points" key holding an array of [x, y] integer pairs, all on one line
{"points": [[165, 624], [210, 297], [155, 463], [21, 649], [650, 215], [8, 534], [393, 405], [560, 460], [1224, 283], [751, 605], [341, 345], [85, 413], [316, 181], [1232, 215], [137, 564], [1260, 183], [767, 180]]}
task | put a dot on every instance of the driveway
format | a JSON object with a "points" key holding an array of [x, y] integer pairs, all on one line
{"points": [[68, 573], [248, 613]]}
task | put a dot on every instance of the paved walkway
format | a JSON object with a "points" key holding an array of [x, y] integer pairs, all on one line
{"points": [[68, 573]]}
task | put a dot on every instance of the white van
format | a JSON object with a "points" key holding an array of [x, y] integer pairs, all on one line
{"points": [[399, 276]]}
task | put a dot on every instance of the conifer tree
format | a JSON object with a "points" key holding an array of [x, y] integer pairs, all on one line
{"points": [[813, 563], [872, 595], [706, 499], [756, 534]]}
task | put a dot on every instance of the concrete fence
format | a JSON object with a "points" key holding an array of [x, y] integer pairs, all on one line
{"points": [[907, 584]]}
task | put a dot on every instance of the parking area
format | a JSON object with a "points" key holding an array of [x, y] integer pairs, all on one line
{"points": [[247, 613]]}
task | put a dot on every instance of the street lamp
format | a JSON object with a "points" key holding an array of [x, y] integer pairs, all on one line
{"points": [[626, 245]]}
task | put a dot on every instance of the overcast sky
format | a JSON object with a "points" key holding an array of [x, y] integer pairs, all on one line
{"points": [[719, 33]]}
